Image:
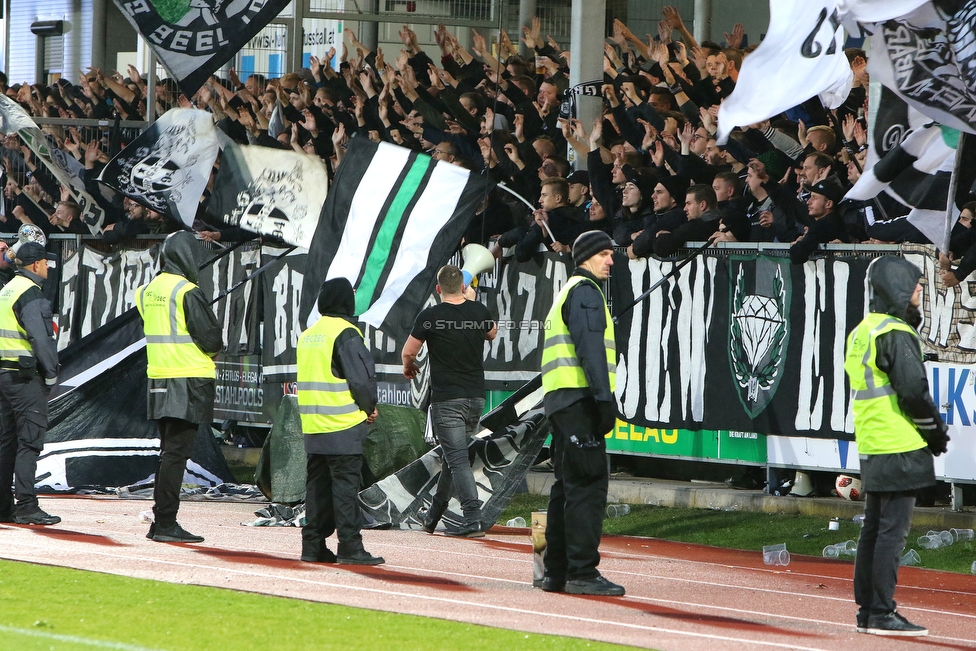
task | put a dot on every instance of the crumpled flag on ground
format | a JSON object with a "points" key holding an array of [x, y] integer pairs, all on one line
{"points": [[279, 515], [192, 492]]}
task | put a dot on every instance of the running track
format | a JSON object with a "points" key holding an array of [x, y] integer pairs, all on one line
{"points": [[680, 597]]}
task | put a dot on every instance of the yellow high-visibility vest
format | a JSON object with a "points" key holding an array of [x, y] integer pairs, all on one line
{"points": [[880, 425], [169, 347], [325, 402], [13, 337], [560, 366]]}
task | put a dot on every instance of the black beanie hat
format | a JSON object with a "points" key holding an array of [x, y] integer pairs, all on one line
{"points": [[676, 186], [337, 298], [589, 244]]}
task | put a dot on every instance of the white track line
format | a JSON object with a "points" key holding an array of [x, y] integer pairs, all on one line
{"points": [[473, 604], [74, 639]]}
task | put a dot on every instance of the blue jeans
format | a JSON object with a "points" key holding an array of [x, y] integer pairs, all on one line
{"points": [[454, 422]]}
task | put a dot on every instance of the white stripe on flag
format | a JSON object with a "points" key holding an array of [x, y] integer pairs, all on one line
{"points": [[371, 194], [433, 210]]}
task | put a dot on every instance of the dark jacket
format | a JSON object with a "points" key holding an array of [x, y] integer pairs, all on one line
{"points": [[189, 399], [693, 230], [669, 220], [891, 283], [828, 228], [585, 316], [351, 361], [33, 313]]}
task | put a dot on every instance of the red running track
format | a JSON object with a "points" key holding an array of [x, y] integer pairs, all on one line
{"points": [[680, 597]]}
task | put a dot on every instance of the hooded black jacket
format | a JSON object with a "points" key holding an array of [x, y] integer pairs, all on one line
{"points": [[351, 361], [891, 282], [189, 398]]}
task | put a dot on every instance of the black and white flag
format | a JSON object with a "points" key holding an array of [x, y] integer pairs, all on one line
{"points": [[14, 119], [928, 57], [167, 168], [918, 174], [274, 192], [393, 217], [193, 38]]}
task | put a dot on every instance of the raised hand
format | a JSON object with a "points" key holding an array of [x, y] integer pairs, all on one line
{"points": [[734, 40], [530, 35], [479, 45], [673, 17], [664, 30]]}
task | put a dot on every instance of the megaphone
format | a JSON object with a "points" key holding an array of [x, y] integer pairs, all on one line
{"points": [[477, 259]]}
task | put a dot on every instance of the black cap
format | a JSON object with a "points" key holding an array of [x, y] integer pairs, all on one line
{"points": [[579, 176], [30, 252], [830, 188]]}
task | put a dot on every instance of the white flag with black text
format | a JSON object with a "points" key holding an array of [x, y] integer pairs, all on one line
{"points": [[801, 56], [277, 192]]}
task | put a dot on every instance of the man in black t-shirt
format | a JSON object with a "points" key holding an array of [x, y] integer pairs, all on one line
{"points": [[455, 331]]}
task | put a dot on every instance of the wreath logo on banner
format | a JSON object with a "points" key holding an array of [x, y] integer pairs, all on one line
{"points": [[759, 331]]}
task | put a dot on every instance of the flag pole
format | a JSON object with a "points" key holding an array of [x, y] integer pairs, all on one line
{"points": [[531, 207], [257, 271], [671, 273], [953, 186]]}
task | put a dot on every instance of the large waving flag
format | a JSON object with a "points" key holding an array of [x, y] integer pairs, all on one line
{"points": [[14, 119], [803, 52], [928, 57], [168, 166], [276, 192], [193, 38], [918, 174], [393, 217]]}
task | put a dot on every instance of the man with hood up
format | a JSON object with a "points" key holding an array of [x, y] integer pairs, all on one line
{"points": [[337, 400], [182, 337], [898, 428]]}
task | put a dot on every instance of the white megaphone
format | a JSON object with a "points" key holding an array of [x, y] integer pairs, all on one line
{"points": [[477, 259]]}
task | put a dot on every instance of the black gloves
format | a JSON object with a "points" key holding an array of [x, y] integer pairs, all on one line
{"points": [[938, 440], [608, 417]]}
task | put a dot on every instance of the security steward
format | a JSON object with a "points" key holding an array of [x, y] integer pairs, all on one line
{"points": [[182, 336], [28, 370], [898, 429], [578, 378], [337, 400]]}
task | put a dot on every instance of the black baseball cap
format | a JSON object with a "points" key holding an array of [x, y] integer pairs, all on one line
{"points": [[30, 252]]}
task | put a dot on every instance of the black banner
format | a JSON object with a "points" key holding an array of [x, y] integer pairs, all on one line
{"points": [[745, 343]]}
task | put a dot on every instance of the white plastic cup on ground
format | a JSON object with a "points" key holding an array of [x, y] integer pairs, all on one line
{"points": [[858, 520], [146, 517], [930, 541], [847, 548], [776, 555], [831, 551], [972, 570], [516, 522], [961, 534], [834, 525], [617, 510], [947, 538], [912, 558]]}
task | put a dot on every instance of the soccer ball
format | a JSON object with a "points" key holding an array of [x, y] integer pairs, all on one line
{"points": [[848, 487]]}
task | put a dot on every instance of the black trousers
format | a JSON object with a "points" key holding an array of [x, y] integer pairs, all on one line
{"points": [[23, 424], [332, 503], [887, 519], [579, 494], [176, 437]]}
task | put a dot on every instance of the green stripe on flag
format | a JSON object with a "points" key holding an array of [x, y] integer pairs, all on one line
{"points": [[381, 249]]}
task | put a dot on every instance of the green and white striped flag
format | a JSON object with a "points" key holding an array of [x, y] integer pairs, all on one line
{"points": [[392, 218]]}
